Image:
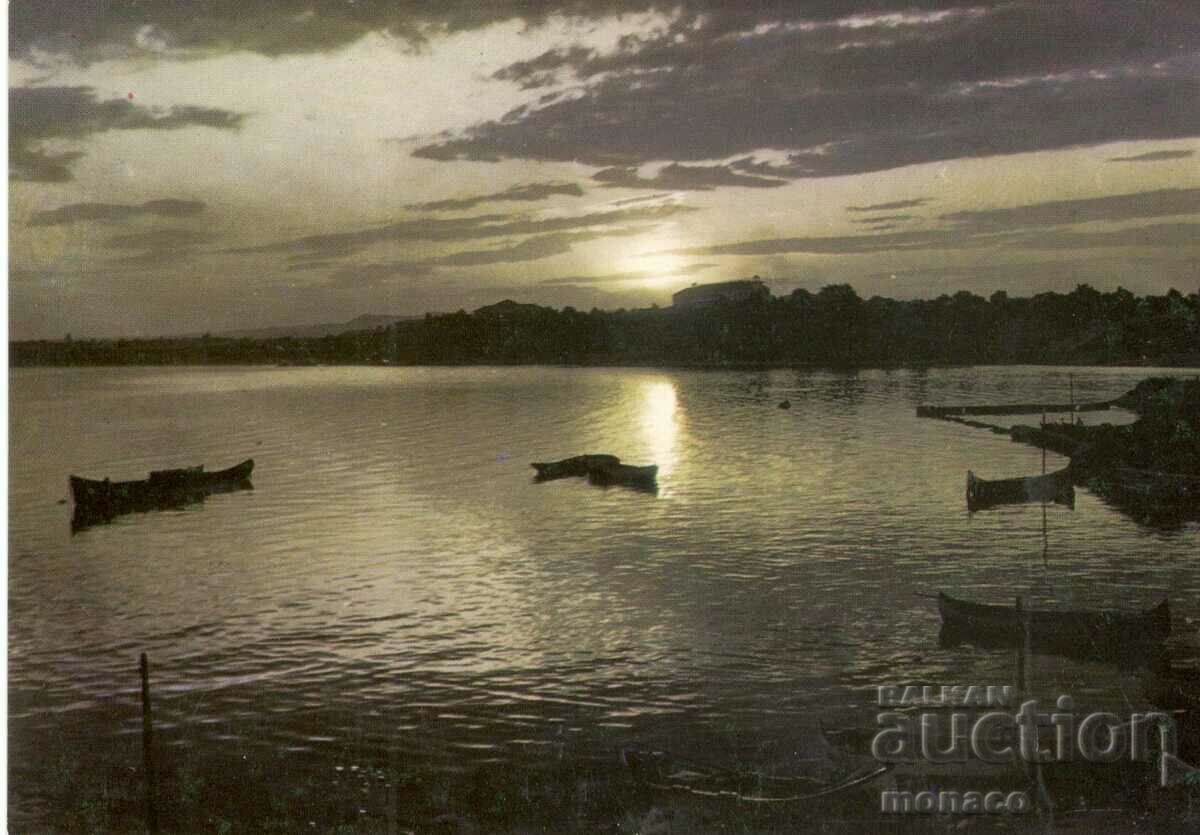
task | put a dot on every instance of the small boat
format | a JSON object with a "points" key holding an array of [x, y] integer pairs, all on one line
{"points": [[1054, 487], [577, 466], [101, 500], [1076, 634], [624, 474]]}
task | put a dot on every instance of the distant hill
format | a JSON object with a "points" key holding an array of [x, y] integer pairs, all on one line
{"points": [[365, 322]]}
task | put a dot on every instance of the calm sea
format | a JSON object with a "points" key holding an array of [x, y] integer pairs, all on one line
{"points": [[396, 581]]}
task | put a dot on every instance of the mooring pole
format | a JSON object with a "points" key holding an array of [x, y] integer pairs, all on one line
{"points": [[1043, 443], [148, 749], [1045, 538]]}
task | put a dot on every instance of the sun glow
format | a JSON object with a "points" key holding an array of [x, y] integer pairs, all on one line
{"points": [[660, 270], [660, 425]]}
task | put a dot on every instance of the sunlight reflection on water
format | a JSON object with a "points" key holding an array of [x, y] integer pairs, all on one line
{"points": [[397, 567]]}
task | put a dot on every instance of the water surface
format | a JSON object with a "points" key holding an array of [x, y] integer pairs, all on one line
{"points": [[397, 582]]}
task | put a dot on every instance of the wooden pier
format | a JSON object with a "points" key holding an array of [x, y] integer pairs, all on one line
{"points": [[1012, 409]]}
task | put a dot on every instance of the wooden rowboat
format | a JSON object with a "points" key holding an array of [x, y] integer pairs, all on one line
{"points": [[101, 500], [577, 466], [624, 474], [599, 469], [1054, 487], [1076, 634]]}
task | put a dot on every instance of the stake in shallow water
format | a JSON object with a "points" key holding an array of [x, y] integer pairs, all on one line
{"points": [[148, 749]]}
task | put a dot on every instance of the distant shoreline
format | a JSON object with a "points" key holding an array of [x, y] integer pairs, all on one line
{"points": [[833, 328]]}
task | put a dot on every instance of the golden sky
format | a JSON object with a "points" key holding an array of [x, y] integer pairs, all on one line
{"points": [[204, 166]]}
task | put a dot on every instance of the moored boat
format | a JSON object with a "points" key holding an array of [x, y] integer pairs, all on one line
{"points": [[600, 469], [103, 499], [576, 466], [1054, 487], [1077, 633], [624, 474]]}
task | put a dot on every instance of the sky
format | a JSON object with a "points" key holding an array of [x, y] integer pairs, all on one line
{"points": [[184, 167]]}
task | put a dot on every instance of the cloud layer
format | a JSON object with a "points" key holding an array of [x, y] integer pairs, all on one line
{"points": [[1039, 226], [860, 93], [528, 192], [37, 114], [405, 155], [113, 212]]}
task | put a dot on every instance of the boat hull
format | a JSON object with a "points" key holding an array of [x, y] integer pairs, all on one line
{"points": [[101, 500], [574, 467], [624, 474], [1076, 634], [1056, 487]]}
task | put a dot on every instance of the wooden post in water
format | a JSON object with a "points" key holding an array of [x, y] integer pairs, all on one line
{"points": [[1045, 538], [1043, 444], [393, 795], [148, 749]]}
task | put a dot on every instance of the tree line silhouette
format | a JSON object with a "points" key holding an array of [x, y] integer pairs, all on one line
{"points": [[833, 327]]}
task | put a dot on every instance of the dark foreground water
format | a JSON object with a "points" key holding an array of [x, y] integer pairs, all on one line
{"points": [[396, 588]]}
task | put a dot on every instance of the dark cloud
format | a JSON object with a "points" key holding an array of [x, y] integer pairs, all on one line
{"points": [[1033, 226], [523, 193], [1171, 234], [881, 219], [449, 230], [159, 248], [1118, 207], [161, 239], [641, 198], [32, 165], [1154, 156], [90, 30], [860, 95], [836, 244], [546, 69], [895, 204], [113, 212], [37, 114], [156, 258], [683, 178], [1156, 235], [530, 249]]}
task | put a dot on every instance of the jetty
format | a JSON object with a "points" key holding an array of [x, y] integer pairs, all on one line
{"points": [[1151, 466], [1013, 409]]}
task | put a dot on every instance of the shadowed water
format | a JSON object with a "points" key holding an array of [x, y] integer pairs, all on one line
{"points": [[398, 581]]}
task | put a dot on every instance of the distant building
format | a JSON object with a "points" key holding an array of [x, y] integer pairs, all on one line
{"points": [[701, 295]]}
